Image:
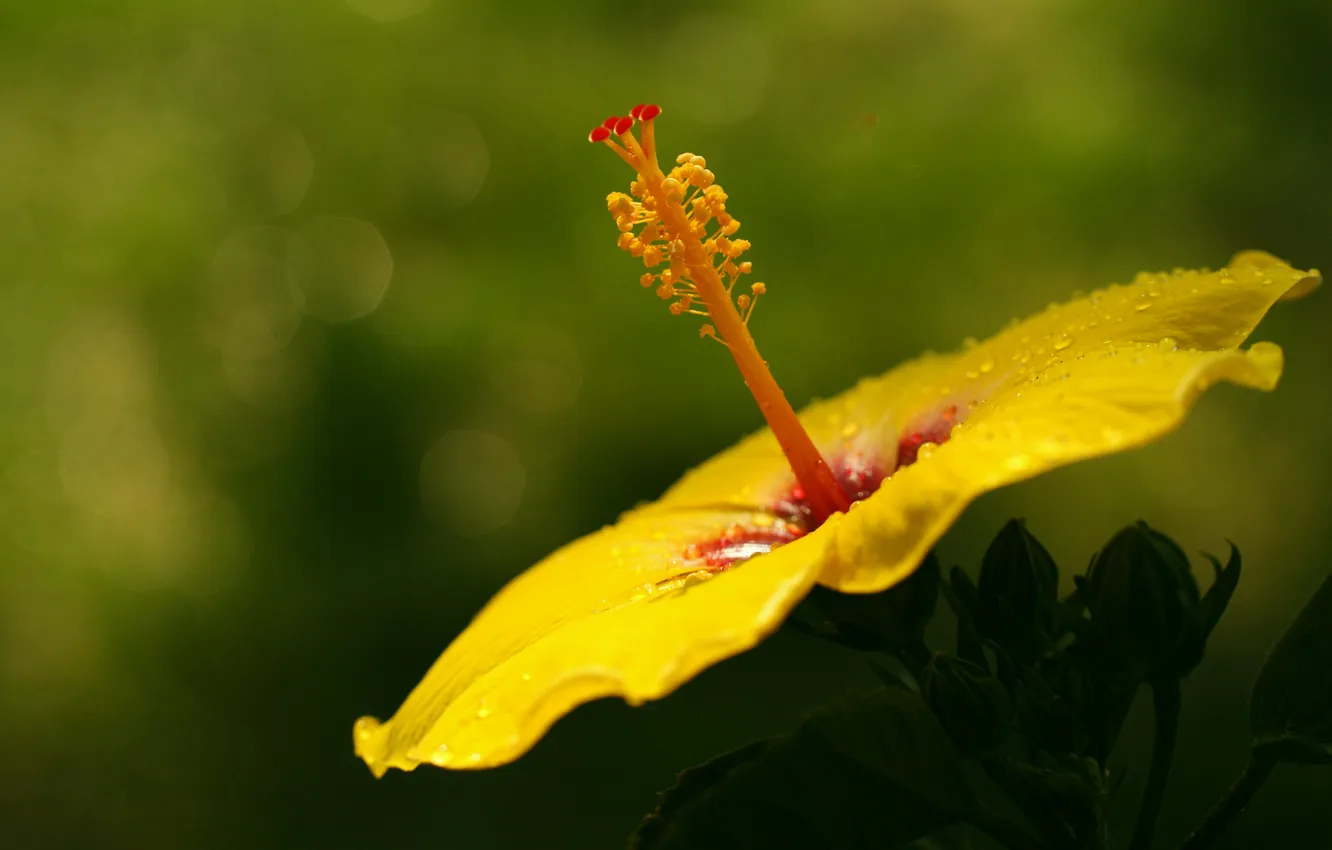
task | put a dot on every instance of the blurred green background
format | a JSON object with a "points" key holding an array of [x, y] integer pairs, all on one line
{"points": [[313, 333]]}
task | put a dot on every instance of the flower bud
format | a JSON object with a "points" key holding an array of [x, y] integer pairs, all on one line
{"points": [[1144, 600], [971, 705], [1017, 593]]}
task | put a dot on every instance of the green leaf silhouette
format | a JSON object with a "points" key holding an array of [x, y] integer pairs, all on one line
{"points": [[877, 771], [1290, 714]]}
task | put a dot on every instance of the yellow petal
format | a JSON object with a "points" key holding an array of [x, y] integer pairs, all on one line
{"points": [[1102, 374], [618, 612]]}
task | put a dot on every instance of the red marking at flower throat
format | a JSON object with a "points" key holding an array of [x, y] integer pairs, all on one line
{"points": [[859, 476], [937, 432]]}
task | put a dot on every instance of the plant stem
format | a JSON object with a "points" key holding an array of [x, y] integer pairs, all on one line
{"points": [[1229, 807], [1165, 710]]}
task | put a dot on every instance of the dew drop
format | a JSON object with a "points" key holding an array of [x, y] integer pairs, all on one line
{"points": [[526, 677], [850, 430], [1142, 305], [972, 374], [482, 713], [1170, 343], [1062, 343], [987, 365]]}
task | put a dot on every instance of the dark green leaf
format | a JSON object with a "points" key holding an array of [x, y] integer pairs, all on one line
{"points": [[1064, 798], [876, 772], [889, 677], [1290, 714], [1216, 599], [892, 620], [689, 786], [972, 706], [961, 595]]}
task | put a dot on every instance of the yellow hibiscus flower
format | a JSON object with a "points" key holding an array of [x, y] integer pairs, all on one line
{"points": [[851, 493]]}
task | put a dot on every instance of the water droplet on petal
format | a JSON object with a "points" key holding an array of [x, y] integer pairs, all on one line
{"points": [[851, 429], [1142, 305], [987, 365], [1062, 343], [1170, 344]]}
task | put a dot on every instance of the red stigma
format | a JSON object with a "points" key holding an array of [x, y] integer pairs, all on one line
{"points": [[623, 125], [636, 112], [610, 122], [598, 134], [647, 113]]}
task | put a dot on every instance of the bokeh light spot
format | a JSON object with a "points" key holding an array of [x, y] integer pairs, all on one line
{"points": [[472, 482], [247, 303], [270, 167], [536, 369], [453, 160], [342, 266], [102, 361], [115, 467]]}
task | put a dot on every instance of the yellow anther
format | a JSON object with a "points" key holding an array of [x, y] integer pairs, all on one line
{"points": [[657, 225], [706, 331], [673, 188]]}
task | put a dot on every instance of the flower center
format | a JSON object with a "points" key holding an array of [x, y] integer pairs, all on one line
{"points": [[679, 218], [858, 472]]}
